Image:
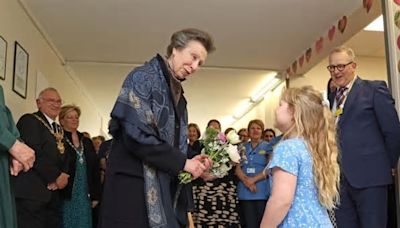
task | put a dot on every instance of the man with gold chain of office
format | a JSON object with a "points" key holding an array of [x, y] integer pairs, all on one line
{"points": [[36, 191]]}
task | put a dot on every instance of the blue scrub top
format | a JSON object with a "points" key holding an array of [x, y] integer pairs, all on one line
{"points": [[257, 160]]}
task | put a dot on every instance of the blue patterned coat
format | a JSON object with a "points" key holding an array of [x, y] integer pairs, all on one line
{"points": [[148, 151]]}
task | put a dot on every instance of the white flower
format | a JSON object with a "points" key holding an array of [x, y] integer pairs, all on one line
{"points": [[233, 138], [224, 168], [221, 171], [217, 173], [216, 164], [224, 159], [233, 153]]}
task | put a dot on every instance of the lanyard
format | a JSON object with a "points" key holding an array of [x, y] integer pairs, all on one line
{"points": [[252, 152]]}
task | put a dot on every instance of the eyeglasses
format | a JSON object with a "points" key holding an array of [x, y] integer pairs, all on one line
{"points": [[339, 67], [53, 101]]}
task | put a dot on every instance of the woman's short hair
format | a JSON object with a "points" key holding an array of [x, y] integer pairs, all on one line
{"points": [[195, 126], [228, 130], [214, 121], [242, 129], [180, 39], [99, 137], [257, 122], [69, 108], [270, 130]]}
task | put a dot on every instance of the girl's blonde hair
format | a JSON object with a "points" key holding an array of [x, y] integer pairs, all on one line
{"points": [[315, 123]]}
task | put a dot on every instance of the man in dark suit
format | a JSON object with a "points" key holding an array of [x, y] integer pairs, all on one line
{"points": [[37, 196], [369, 140]]}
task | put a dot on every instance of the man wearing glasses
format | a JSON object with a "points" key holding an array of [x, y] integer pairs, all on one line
{"points": [[36, 191], [369, 142]]}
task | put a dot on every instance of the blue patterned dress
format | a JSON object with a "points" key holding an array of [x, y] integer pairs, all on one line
{"points": [[77, 212], [293, 156]]}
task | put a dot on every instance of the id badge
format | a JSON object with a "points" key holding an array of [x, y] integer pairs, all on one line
{"points": [[251, 170]]}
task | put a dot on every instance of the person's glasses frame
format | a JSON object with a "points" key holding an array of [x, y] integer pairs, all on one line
{"points": [[339, 67], [52, 101]]}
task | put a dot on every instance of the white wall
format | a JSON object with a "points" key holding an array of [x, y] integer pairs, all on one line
{"points": [[370, 68], [264, 111], [15, 25]]}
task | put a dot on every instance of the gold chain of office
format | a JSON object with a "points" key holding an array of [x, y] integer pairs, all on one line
{"points": [[57, 135]]}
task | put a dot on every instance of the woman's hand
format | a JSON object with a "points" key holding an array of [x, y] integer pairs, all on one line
{"points": [[245, 179], [23, 154], [206, 176], [195, 166], [205, 160], [250, 184], [15, 167]]}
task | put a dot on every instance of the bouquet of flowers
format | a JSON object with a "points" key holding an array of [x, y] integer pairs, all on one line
{"points": [[221, 150]]}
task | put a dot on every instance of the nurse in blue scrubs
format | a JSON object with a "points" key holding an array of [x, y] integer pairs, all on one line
{"points": [[253, 187]]}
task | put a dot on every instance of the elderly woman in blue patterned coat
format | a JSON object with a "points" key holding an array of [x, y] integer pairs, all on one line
{"points": [[149, 127]]}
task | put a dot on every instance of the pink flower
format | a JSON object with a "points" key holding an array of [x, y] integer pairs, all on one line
{"points": [[221, 137]]}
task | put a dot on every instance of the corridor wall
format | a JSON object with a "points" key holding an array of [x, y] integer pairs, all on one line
{"points": [[16, 25]]}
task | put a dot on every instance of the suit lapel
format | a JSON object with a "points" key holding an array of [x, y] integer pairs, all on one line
{"points": [[351, 99], [331, 98], [43, 117]]}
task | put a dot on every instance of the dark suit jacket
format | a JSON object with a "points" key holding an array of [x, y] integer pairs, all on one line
{"points": [[48, 164], [92, 167], [369, 134]]}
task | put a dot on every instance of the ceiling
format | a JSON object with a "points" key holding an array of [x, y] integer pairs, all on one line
{"points": [[102, 40]]}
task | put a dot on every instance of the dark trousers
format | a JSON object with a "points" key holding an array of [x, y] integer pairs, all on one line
{"points": [[95, 215], [120, 210], [392, 215], [251, 212], [361, 207], [37, 214]]}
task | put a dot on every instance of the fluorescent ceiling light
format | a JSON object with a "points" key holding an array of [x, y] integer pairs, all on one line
{"points": [[227, 121], [376, 25], [269, 85], [242, 109]]}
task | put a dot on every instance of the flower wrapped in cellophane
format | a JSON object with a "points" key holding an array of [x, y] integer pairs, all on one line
{"points": [[221, 150]]}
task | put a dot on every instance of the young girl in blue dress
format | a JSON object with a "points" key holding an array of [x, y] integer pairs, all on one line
{"points": [[304, 166]]}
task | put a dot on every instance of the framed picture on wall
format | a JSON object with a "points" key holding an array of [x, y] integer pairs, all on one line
{"points": [[20, 77], [3, 58]]}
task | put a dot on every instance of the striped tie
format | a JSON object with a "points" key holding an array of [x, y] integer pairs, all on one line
{"points": [[340, 96], [54, 125]]}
